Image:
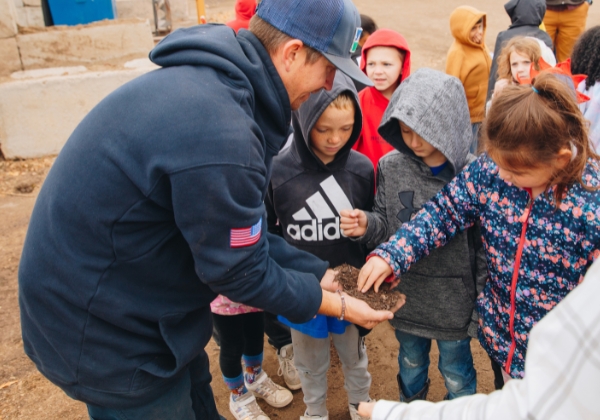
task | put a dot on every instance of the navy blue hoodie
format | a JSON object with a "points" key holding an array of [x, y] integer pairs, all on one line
{"points": [[131, 236]]}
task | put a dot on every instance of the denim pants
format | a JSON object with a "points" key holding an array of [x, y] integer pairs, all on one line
{"points": [[455, 365], [190, 398]]}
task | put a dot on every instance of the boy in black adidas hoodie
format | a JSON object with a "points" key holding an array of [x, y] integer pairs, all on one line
{"points": [[312, 181]]}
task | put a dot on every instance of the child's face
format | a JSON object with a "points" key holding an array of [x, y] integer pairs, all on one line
{"points": [[384, 67], [533, 178], [331, 132], [429, 154], [520, 66], [476, 34]]}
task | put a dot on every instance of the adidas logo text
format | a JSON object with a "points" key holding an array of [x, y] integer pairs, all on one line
{"points": [[326, 224]]}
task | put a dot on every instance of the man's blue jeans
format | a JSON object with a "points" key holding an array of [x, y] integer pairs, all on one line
{"points": [[190, 398], [455, 365]]}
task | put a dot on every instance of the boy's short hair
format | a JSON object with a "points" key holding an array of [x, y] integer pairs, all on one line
{"points": [[343, 101], [272, 38], [368, 24], [478, 22]]}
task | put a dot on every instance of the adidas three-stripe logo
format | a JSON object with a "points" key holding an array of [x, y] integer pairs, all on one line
{"points": [[312, 225]]}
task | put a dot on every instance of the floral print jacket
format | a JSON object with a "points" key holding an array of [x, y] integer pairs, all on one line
{"points": [[558, 247]]}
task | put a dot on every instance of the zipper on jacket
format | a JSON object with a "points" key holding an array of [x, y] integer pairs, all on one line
{"points": [[513, 287]]}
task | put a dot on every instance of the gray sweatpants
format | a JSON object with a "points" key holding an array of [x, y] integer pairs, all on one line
{"points": [[311, 358]]}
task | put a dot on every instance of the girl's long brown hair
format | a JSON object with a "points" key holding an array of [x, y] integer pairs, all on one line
{"points": [[526, 46], [525, 129]]}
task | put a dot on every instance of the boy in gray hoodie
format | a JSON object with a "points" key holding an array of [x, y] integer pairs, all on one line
{"points": [[428, 123]]}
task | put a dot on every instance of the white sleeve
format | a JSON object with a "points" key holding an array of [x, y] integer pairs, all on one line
{"points": [[498, 405], [562, 371]]}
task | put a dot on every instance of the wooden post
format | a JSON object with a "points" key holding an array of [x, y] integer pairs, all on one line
{"points": [[201, 11]]}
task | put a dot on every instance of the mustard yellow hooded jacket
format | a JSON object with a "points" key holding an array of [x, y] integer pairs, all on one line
{"points": [[468, 61]]}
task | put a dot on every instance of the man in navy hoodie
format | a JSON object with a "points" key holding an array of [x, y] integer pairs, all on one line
{"points": [[155, 206]]}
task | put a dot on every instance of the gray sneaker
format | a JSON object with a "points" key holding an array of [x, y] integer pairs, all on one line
{"points": [[246, 408], [273, 394], [286, 367]]}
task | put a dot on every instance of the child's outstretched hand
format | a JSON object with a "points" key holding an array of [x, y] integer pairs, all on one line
{"points": [[373, 273], [353, 222]]}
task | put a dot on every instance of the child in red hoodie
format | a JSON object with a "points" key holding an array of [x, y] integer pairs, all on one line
{"points": [[244, 10], [386, 61]]}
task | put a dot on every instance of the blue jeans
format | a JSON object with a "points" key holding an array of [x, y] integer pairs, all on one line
{"points": [[190, 398], [455, 365]]}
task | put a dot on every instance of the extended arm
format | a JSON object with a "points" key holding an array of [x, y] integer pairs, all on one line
{"points": [[453, 209]]}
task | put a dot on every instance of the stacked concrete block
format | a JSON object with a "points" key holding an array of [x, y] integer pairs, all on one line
{"points": [[9, 56], [29, 13], [37, 115], [180, 10], [9, 52], [95, 43]]}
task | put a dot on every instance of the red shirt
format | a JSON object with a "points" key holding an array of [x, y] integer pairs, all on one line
{"points": [[372, 102]]}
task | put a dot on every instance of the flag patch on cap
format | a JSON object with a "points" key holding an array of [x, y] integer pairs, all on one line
{"points": [[357, 35], [242, 237]]}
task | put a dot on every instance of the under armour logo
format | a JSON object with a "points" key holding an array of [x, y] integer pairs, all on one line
{"points": [[406, 198]]}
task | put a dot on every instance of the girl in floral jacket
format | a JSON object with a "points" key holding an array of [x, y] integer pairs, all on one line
{"points": [[534, 192]]}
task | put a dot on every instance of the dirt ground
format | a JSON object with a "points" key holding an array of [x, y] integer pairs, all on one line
{"points": [[26, 395]]}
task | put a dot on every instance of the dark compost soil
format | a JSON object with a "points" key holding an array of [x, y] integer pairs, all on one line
{"points": [[384, 300]]}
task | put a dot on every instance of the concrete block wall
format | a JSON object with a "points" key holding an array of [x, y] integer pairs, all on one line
{"points": [[94, 43], [28, 13], [180, 9], [9, 52], [38, 115]]}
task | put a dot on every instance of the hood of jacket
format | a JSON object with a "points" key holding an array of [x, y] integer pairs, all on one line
{"points": [[525, 12], [244, 9], [462, 20], [305, 118], [244, 61], [434, 106], [387, 38]]}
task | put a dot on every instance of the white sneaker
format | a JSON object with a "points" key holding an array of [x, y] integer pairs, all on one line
{"points": [[287, 368], [246, 408], [354, 412], [275, 395], [307, 417]]}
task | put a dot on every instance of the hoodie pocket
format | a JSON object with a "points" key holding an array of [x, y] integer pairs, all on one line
{"points": [[472, 92], [183, 341], [435, 302]]}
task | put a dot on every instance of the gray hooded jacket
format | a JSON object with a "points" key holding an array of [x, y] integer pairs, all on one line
{"points": [[440, 289]]}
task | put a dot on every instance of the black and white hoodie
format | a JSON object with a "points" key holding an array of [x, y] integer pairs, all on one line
{"points": [[306, 196]]}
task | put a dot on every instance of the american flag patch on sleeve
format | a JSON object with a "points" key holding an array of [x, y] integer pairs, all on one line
{"points": [[241, 237]]}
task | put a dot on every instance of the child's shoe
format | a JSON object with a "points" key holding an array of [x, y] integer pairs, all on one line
{"points": [[275, 395], [285, 355], [246, 408], [307, 417]]}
